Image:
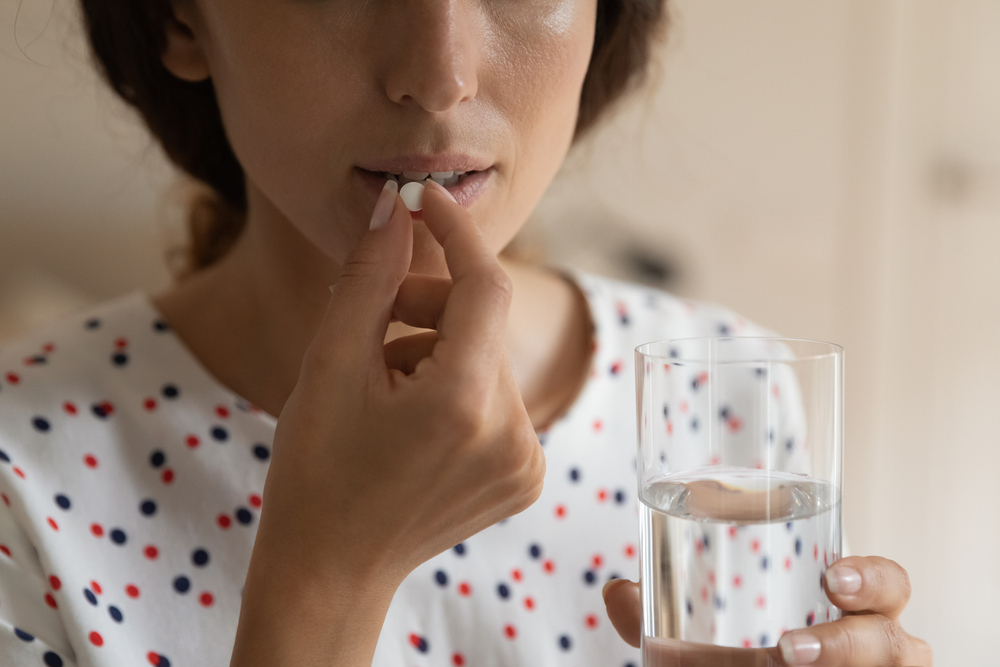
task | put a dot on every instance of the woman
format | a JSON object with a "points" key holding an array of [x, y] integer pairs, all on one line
{"points": [[395, 421]]}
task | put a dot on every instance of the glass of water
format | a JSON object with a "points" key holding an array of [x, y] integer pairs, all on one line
{"points": [[739, 467]]}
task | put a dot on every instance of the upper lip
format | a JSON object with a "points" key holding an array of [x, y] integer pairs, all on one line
{"points": [[427, 163]]}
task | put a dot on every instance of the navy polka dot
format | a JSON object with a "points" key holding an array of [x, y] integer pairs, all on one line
{"points": [[503, 591], [694, 423], [261, 452], [4, 457], [115, 613], [119, 358], [170, 391], [724, 413], [574, 475], [460, 549], [24, 636], [163, 662], [220, 434], [666, 411], [41, 424], [763, 640], [613, 576], [788, 526], [789, 444], [243, 515], [535, 551], [765, 563], [723, 329], [565, 643], [148, 507], [157, 458], [99, 410], [798, 546], [690, 607], [92, 323], [160, 326], [422, 645], [62, 501], [619, 497], [182, 584], [200, 557], [441, 578], [89, 594], [52, 660], [589, 576], [118, 536]]}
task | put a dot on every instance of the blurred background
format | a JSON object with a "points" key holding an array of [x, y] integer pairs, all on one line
{"points": [[830, 169]]}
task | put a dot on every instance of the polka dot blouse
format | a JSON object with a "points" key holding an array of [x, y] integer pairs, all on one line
{"points": [[132, 485]]}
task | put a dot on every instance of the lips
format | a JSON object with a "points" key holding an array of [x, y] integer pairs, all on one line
{"points": [[466, 191]]}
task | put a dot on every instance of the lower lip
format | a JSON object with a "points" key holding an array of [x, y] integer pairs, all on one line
{"points": [[466, 192]]}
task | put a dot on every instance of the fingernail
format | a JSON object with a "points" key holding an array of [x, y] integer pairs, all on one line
{"points": [[843, 580], [799, 648], [386, 202], [438, 186]]}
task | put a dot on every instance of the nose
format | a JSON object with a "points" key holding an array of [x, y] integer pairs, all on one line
{"points": [[434, 53]]}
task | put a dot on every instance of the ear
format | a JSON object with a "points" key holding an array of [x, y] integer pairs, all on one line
{"points": [[183, 55]]}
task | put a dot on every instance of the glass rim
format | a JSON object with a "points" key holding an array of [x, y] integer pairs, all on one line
{"points": [[835, 350]]}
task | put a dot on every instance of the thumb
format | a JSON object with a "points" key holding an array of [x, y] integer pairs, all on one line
{"points": [[353, 329]]}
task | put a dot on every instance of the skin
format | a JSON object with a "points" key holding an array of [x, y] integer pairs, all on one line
{"points": [[436, 355]]}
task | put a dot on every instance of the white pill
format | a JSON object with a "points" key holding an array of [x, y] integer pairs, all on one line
{"points": [[413, 195]]}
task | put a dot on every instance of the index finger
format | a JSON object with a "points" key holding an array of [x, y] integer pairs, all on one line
{"points": [[869, 584], [474, 320]]}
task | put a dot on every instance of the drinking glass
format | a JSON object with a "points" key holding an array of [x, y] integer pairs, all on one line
{"points": [[740, 459]]}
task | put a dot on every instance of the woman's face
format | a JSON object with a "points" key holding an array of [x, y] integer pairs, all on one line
{"points": [[313, 91]]}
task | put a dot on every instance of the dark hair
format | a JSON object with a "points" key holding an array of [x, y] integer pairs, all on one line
{"points": [[128, 38]]}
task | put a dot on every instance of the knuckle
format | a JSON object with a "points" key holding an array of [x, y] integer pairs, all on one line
{"points": [[892, 640], [498, 284], [361, 263]]}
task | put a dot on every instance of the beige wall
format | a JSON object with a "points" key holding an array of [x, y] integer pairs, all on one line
{"points": [[830, 169]]}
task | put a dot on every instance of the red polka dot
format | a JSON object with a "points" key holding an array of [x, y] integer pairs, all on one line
{"points": [[206, 599], [711, 577], [597, 560], [732, 532], [735, 424], [560, 511], [684, 406], [704, 593], [13, 378], [516, 575], [121, 342], [69, 408], [458, 660], [815, 552], [132, 591], [629, 551], [222, 411], [90, 461], [747, 643], [737, 581], [54, 582], [18, 472], [510, 631], [96, 639], [761, 601], [52, 523], [224, 521], [96, 586], [167, 476], [51, 601], [48, 347], [192, 441], [602, 495], [755, 546], [96, 530], [598, 425], [670, 427], [107, 407], [5, 550], [591, 621], [464, 589], [255, 500], [414, 639], [549, 566], [776, 391], [788, 563], [715, 460], [154, 658], [6, 500], [151, 552], [529, 603], [149, 404]]}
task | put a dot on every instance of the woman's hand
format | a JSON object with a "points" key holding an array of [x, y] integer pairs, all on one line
{"points": [[385, 455], [872, 592]]}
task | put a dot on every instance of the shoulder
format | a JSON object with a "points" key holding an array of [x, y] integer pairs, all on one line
{"points": [[633, 313], [70, 367]]}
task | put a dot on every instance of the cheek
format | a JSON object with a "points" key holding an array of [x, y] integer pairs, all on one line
{"points": [[540, 84]]}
